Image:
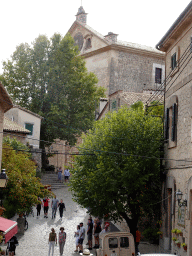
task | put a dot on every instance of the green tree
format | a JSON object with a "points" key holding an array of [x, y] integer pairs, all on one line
{"points": [[118, 171], [23, 187], [50, 78]]}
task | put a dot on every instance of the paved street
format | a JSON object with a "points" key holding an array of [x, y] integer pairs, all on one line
{"points": [[35, 240]]}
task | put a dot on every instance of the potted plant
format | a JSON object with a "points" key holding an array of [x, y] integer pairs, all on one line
{"points": [[179, 232], [184, 245], [178, 243], [174, 231]]}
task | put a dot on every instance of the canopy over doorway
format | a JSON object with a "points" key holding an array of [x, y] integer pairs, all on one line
{"points": [[8, 227]]}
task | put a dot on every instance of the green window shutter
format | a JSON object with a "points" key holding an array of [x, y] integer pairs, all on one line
{"points": [[174, 112], [167, 125], [29, 127]]}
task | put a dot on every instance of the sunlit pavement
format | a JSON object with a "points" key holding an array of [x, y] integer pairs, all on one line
{"points": [[35, 240]]}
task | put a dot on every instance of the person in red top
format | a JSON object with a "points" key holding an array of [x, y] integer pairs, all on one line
{"points": [[137, 240], [46, 206]]}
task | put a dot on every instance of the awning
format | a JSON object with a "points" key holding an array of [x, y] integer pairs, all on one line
{"points": [[8, 227]]}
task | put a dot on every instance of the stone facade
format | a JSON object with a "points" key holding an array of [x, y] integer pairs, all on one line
{"points": [[118, 65], [5, 105], [177, 44]]}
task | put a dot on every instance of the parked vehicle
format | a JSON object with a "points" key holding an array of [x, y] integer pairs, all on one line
{"points": [[116, 244]]}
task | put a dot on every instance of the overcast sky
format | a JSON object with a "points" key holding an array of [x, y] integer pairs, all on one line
{"points": [[137, 21]]}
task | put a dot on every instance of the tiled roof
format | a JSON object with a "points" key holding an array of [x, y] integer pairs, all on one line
{"points": [[123, 43], [130, 98], [11, 126]]}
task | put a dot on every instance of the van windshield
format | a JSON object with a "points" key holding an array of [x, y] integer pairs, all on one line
{"points": [[124, 242], [113, 242]]}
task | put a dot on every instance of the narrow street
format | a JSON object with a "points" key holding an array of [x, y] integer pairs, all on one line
{"points": [[35, 240]]}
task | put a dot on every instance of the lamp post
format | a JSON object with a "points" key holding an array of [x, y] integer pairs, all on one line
{"points": [[179, 195], [3, 179]]}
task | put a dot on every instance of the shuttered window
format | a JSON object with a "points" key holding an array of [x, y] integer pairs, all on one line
{"points": [[173, 61], [158, 75], [29, 127], [167, 124], [173, 128]]}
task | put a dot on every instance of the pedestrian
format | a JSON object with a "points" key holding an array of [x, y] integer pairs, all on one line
{"points": [[97, 230], [13, 242], [81, 237], [67, 175], [89, 233], [61, 206], [60, 174], [52, 241], [77, 238], [137, 240], [106, 228], [46, 206], [54, 205], [38, 207], [62, 239]]}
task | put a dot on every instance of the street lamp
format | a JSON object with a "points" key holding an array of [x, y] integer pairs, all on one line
{"points": [[3, 179], [179, 195]]}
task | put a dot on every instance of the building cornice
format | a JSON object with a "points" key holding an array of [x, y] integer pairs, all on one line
{"points": [[129, 49], [176, 30]]}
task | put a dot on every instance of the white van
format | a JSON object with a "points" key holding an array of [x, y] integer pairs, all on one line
{"points": [[116, 244]]}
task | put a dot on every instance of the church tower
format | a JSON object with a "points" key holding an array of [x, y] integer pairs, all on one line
{"points": [[81, 15]]}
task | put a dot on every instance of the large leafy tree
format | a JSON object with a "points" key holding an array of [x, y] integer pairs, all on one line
{"points": [[50, 78], [23, 187], [118, 171]]}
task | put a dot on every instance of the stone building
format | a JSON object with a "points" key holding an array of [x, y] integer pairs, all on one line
{"points": [[32, 122], [118, 65], [14, 131], [177, 45], [5, 105], [121, 98]]}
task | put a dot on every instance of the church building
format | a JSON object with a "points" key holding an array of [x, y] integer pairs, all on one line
{"points": [[118, 65]]}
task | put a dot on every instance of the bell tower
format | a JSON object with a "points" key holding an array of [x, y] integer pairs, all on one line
{"points": [[81, 15]]}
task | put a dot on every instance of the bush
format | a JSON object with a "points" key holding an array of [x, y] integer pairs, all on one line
{"points": [[151, 234]]}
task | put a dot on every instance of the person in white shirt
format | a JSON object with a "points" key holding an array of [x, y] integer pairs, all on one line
{"points": [[66, 174], [81, 237]]}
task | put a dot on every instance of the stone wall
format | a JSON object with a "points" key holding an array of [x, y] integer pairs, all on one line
{"points": [[179, 90]]}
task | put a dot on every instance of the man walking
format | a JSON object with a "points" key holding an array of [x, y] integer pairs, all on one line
{"points": [[81, 237], [54, 205], [89, 233]]}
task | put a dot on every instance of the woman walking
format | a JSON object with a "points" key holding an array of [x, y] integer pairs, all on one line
{"points": [[60, 174], [61, 206], [62, 238], [39, 206], [52, 241]]}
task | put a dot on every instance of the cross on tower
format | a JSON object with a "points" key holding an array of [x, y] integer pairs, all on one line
{"points": [[81, 2]]}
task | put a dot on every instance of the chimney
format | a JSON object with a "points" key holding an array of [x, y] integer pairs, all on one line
{"points": [[111, 37]]}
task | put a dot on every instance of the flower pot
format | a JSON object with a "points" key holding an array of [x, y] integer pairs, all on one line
{"points": [[181, 234], [185, 248], [178, 245]]}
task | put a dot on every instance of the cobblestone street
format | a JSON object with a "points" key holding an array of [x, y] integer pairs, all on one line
{"points": [[35, 240]]}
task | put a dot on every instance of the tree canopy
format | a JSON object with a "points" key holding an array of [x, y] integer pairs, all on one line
{"points": [[23, 187], [50, 78], [118, 171]]}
